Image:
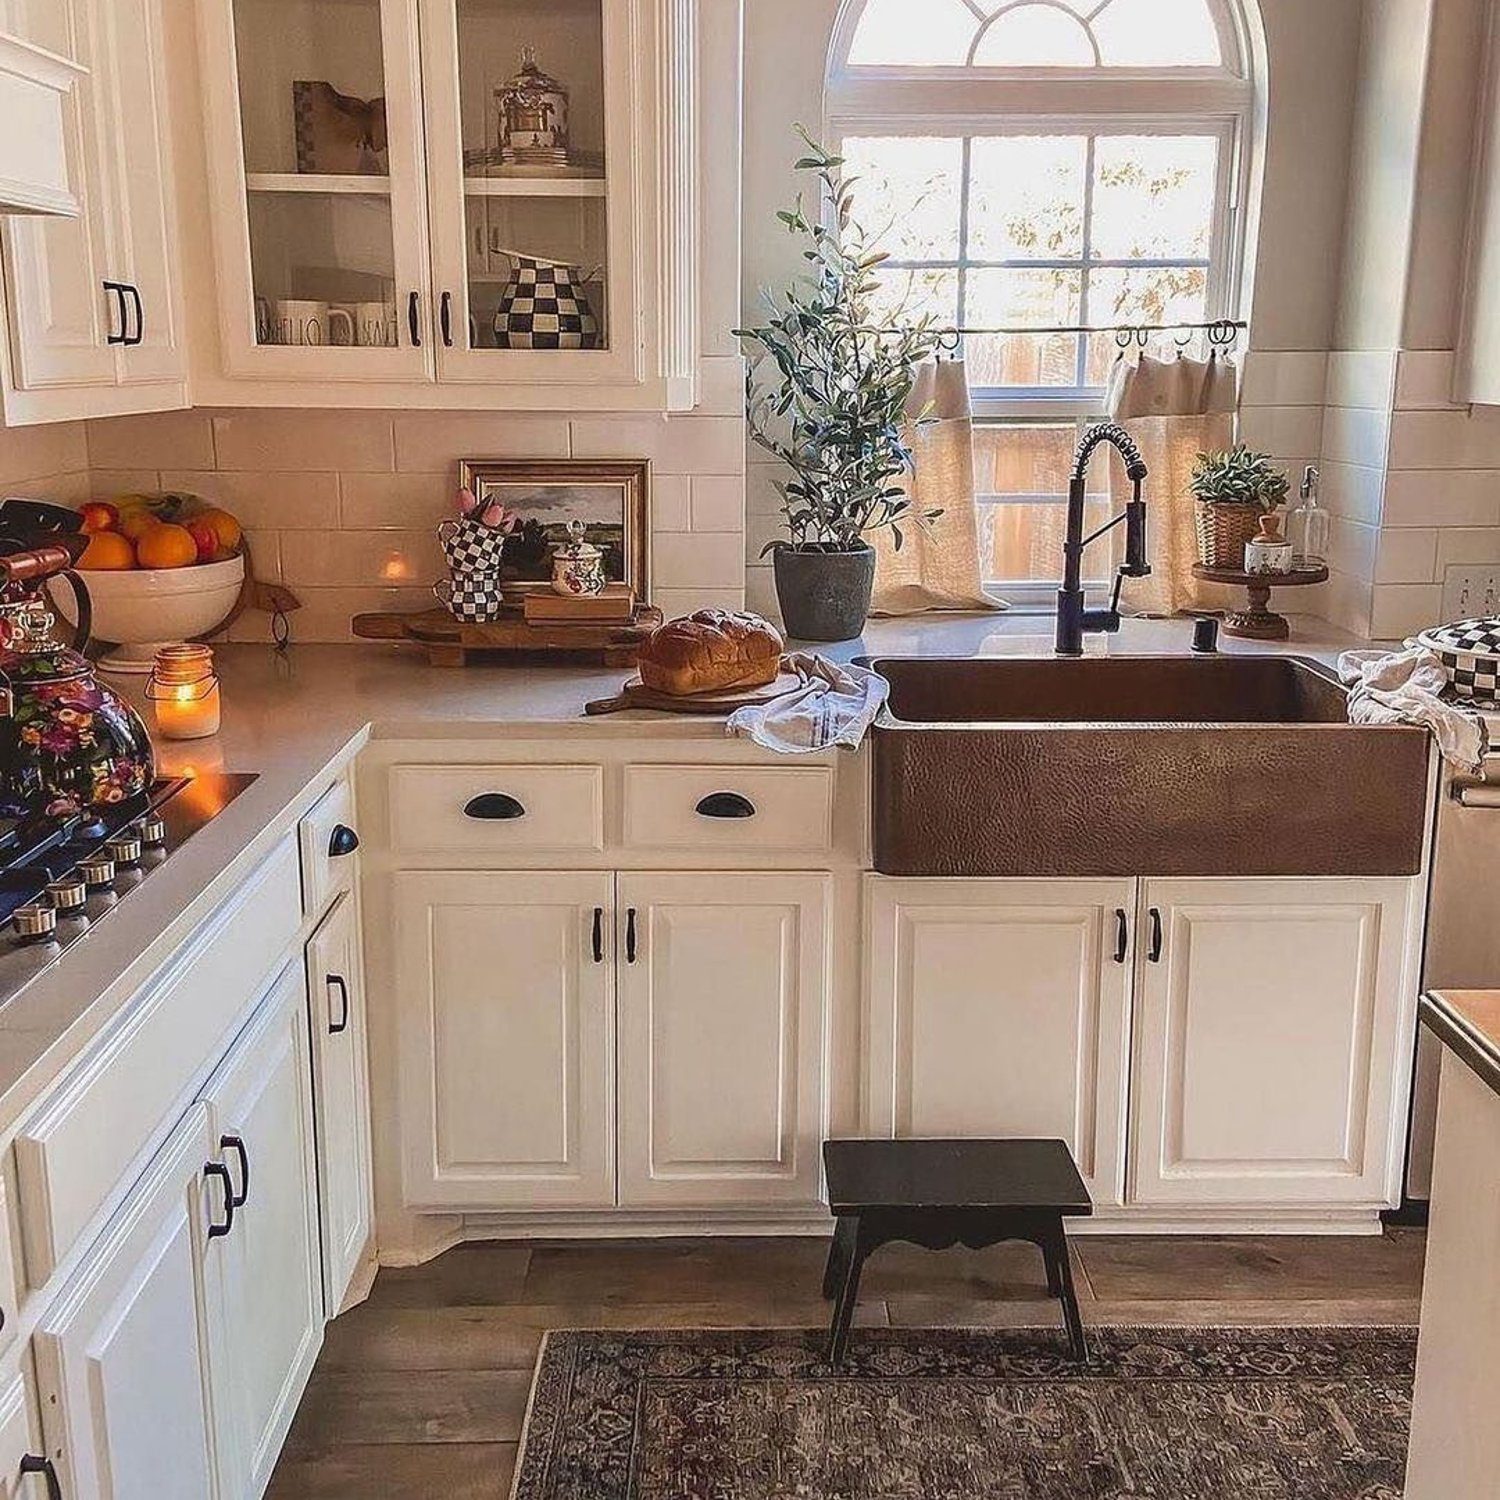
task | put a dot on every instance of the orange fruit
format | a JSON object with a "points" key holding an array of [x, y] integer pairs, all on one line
{"points": [[107, 550], [225, 527], [166, 546]]}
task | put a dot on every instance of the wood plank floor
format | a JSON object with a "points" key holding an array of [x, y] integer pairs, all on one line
{"points": [[421, 1392]]}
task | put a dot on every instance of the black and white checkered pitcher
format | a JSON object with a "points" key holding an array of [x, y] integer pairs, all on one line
{"points": [[472, 547], [544, 306]]}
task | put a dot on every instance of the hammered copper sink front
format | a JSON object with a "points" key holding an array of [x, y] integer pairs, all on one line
{"points": [[1216, 765]]}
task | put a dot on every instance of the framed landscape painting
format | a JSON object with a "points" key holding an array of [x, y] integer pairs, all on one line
{"points": [[610, 497]]}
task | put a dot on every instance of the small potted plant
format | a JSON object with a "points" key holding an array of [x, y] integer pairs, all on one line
{"points": [[827, 393], [1233, 491]]}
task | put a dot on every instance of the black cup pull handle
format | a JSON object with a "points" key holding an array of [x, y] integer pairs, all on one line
{"points": [[1122, 935], [219, 1170], [413, 320], [236, 1144], [116, 289], [445, 317], [34, 1463], [598, 934], [336, 982], [494, 807], [630, 935], [726, 805], [1156, 937], [139, 337], [342, 841]]}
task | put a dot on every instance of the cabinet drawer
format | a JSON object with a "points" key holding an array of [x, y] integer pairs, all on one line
{"points": [[498, 809], [724, 808], [326, 873], [72, 1154], [19, 1434]]}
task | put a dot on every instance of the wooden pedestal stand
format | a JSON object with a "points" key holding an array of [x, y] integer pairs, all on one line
{"points": [[449, 642], [1259, 623]]}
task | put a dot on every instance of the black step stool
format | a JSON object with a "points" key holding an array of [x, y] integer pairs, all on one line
{"points": [[943, 1193]]}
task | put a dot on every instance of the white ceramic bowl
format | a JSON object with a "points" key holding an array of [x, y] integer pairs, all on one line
{"points": [[142, 609]]}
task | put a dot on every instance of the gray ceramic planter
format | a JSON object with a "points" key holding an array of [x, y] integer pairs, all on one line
{"points": [[824, 596]]}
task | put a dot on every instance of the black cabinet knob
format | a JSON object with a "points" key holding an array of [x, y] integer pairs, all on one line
{"points": [[1156, 936], [33, 1463], [217, 1169], [1122, 935], [726, 805], [342, 841], [237, 1145], [336, 983], [494, 807]]}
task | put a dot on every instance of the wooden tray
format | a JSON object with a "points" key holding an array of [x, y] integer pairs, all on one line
{"points": [[635, 694], [448, 642]]}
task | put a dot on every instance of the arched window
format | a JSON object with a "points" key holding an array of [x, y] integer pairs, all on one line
{"points": [[1046, 164]]}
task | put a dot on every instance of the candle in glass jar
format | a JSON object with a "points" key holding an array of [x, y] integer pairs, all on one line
{"points": [[184, 693]]}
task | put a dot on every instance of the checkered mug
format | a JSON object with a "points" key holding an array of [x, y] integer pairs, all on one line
{"points": [[475, 598], [471, 547]]}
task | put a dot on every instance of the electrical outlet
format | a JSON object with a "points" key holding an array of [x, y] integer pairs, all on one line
{"points": [[1471, 591]]}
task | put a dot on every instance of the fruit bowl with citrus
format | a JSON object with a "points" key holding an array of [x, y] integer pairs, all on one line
{"points": [[160, 569]]}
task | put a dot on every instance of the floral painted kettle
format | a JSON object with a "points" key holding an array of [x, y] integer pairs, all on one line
{"points": [[67, 742]]}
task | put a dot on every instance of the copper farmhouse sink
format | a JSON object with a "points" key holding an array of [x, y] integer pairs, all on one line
{"points": [[1218, 765]]}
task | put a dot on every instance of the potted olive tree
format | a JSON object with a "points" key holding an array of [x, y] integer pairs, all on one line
{"points": [[827, 393], [1232, 491]]}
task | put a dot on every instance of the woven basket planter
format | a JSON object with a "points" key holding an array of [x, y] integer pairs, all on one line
{"points": [[1223, 531]]}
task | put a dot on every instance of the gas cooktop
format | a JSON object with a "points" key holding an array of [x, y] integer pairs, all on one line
{"points": [[61, 877]]}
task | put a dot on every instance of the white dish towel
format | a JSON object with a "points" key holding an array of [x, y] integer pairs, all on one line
{"points": [[1407, 687], [831, 705]]}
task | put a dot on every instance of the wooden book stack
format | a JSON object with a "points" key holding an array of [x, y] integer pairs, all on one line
{"points": [[615, 606]]}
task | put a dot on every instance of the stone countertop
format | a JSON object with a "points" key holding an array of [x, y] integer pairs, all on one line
{"points": [[298, 721], [1467, 1022]]}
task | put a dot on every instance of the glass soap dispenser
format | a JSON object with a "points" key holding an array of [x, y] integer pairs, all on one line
{"points": [[1308, 526]]}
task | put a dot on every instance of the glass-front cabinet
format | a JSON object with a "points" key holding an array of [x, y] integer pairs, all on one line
{"points": [[454, 192]]}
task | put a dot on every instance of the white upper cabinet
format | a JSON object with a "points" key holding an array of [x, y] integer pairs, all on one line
{"points": [[443, 200], [94, 304]]}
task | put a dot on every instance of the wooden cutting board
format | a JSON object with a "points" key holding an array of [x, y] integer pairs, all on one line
{"points": [[635, 694]]}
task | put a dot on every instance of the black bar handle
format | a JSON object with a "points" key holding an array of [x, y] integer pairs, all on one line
{"points": [[494, 807], [445, 317], [140, 315], [630, 935], [598, 934], [726, 805], [413, 320], [1122, 935], [342, 841], [1156, 939], [336, 982], [33, 1463], [219, 1170], [117, 290], [236, 1144]]}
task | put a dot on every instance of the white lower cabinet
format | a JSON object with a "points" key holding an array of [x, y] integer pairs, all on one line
{"points": [[506, 986], [1001, 1008], [341, 1097], [1270, 1020], [122, 1354], [268, 1326], [25, 1468], [722, 986]]}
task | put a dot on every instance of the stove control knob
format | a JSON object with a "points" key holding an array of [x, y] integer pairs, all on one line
{"points": [[35, 922], [124, 847], [98, 870], [68, 894], [153, 830]]}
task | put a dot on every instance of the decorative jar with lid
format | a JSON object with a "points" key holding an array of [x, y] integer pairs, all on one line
{"points": [[577, 566]]}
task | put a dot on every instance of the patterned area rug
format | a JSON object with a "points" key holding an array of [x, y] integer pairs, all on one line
{"points": [[1156, 1414]]}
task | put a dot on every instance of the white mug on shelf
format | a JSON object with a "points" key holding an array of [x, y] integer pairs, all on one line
{"points": [[374, 323], [302, 321]]}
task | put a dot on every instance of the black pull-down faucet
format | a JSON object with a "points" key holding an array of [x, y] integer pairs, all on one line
{"points": [[1073, 620]]}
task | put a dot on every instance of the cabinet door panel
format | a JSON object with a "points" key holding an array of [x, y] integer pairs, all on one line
{"points": [[997, 1008], [270, 1322], [722, 1055], [342, 1095], [507, 1049], [122, 1367], [1267, 1042]]}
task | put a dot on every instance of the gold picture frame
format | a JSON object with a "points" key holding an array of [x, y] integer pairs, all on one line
{"points": [[611, 497]]}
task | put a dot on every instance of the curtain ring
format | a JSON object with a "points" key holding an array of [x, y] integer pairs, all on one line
{"points": [[950, 341], [1124, 338], [1143, 338]]}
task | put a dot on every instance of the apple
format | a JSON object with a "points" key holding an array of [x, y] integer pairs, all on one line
{"points": [[205, 539], [98, 515]]}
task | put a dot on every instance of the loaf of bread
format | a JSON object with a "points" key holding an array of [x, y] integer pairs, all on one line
{"points": [[713, 651]]}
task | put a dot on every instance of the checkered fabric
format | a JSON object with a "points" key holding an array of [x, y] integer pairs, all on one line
{"points": [[542, 309], [1470, 650]]}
